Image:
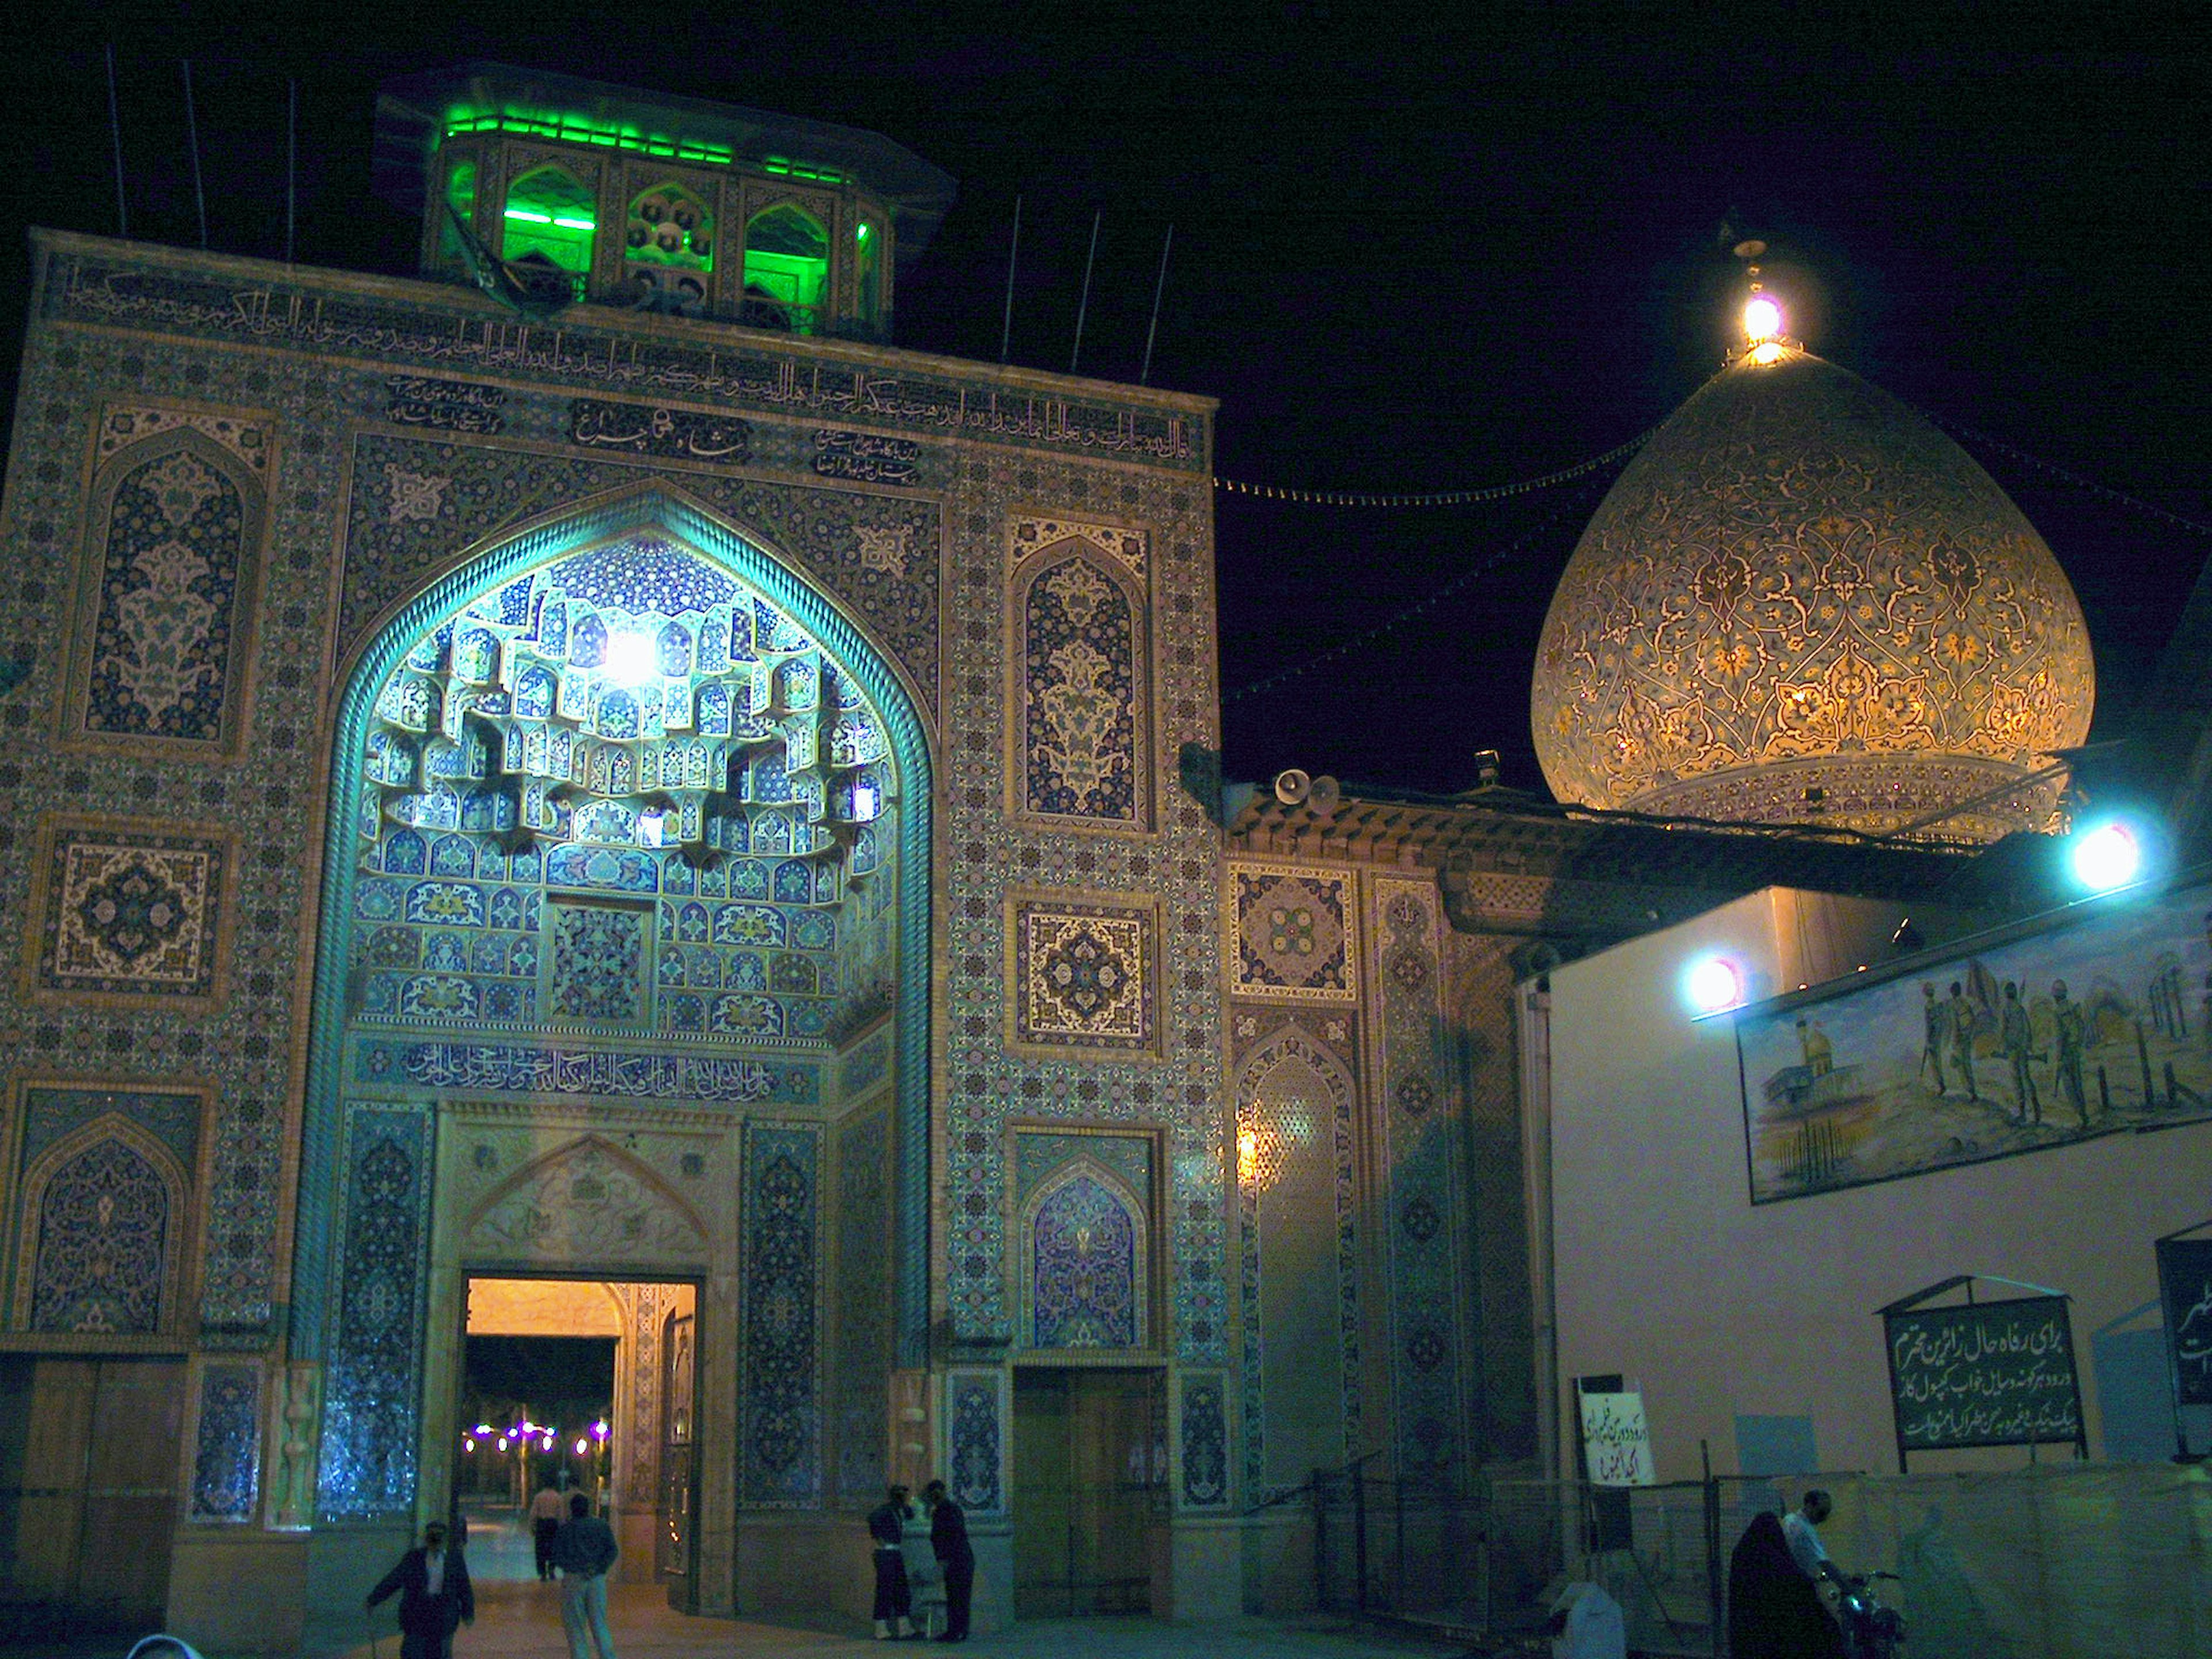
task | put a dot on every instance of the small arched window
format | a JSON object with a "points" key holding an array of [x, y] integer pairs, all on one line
{"points": [[550, 218], [786, 269]]}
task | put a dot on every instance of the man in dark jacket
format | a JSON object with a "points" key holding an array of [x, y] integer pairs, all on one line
{"points": [[894, 1594], [432, 1584], [583, 1549], [948, 1536]]}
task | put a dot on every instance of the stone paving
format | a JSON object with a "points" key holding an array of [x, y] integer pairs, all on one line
{"points": [[523, 1621]]}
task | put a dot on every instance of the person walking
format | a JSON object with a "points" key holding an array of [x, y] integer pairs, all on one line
{"points": [[894, 1593], [547, 1511], [435, 1597], [583, 1549], [948, 1536]]}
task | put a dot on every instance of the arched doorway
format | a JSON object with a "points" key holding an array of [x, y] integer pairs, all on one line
{"points": [[626, 822]]}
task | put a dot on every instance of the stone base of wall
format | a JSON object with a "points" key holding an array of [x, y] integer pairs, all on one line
{"points": [[1277, 1563]]}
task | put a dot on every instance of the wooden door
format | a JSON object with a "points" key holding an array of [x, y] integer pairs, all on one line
{"points": [[1043, 1496], [676, 1552], [1112, 1434], [87, 1486]]}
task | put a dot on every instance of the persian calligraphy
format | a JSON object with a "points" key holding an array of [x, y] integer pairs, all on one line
{"points": [[649, 429], [390, 331], [450, 405], [573, 1071], [2185, 1276], [865, 457], [1996, 1374]]}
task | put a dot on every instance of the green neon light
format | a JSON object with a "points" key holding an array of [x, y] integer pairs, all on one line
{"points": [[860, 232], [530, 218], [576, 224], [568, 129]]}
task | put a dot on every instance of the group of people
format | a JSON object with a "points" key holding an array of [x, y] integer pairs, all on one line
{"points": [[955, 1562], [436, 1599]]}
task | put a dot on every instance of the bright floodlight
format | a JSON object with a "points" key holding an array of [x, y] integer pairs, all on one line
{"points": [[632, 659], [2106, 857], [1762, 319], [1714, 985]]}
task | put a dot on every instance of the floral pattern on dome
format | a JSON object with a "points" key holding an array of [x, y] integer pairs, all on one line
{"points": [[1797, 568]]}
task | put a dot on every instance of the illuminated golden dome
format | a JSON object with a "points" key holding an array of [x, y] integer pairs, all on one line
{"points": [[1802, 602]]}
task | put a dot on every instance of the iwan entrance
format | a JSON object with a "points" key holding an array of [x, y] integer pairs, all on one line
{"points": [[584, 1387]]}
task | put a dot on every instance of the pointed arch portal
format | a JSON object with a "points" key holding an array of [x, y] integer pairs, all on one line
{"points": [[665, 760]]}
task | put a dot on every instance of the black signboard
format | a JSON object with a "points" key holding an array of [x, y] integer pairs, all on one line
{"points": [[1982, 1374], [2184, 1287]]}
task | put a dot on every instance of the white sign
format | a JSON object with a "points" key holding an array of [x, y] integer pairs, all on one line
{"points": [[1616, 1440]]}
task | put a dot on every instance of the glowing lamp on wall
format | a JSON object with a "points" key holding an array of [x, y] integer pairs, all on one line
{"points": [[2107, 856], [1713, 985], [582, 1446]]}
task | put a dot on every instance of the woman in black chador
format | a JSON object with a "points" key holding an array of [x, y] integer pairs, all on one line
{"points": [[894, 1595], [1774, 1611]]}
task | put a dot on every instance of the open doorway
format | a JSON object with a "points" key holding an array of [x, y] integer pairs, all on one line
{"points": [[578, 1387], [1090, 1490]]}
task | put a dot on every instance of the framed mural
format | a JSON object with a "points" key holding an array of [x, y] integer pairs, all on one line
{"points": [[2016, 1042]]}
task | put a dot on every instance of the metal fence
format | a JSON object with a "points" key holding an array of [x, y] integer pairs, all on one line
{"points": [[2054, 1562]]}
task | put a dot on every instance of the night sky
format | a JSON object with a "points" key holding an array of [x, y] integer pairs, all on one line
{"points": [[1410, 254]]}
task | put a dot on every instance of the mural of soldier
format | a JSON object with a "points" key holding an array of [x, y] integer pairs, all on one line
{"points": [[1819, 1052], [1959, 1014], [1934, 1024], [2073, 1031], [2016, 1035]]}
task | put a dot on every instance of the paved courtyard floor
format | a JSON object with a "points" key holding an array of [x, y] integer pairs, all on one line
{"points": [[523, 1621]]}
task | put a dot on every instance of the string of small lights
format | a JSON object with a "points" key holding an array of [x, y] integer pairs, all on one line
{"points": [[1441, 497], [1391, 624], [2088, 486]]}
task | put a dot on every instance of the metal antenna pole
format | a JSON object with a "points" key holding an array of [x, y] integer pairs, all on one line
{"points": [[192, 137], [1145, 376], [291, 163], [1013, 250], [1083, 307], [115, 132]]}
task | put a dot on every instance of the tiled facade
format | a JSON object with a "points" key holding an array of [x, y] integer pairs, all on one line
{"points": [[857, 952]]}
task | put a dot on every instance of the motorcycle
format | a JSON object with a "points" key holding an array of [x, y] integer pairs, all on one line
{"points": [[1871, 1631]]}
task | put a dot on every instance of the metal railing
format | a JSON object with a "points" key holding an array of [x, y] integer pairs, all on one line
{"points": [[2057, 1562]]}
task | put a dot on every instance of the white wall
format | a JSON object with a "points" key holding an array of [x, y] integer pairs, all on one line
{"points": [[1664, 1271]]}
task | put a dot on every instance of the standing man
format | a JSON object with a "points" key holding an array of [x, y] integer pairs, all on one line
{"points": [[1960, 1014], [894, 1593], [2073, 1038], [2017, 1035], [547, 1511], [583, 1549], [435, 1596], [948, 1536], [1800, 1530], [1933, 1024]]}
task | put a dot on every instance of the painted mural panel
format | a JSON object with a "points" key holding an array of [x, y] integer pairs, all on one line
{"points": [[372, 1399], [176, 508], [780, 1453], [1080, 613], [227, 1450], [2022, 1043], [129, 909]]}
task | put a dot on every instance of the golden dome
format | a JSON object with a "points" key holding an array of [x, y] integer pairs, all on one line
{"points": [[1802, 602]]}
